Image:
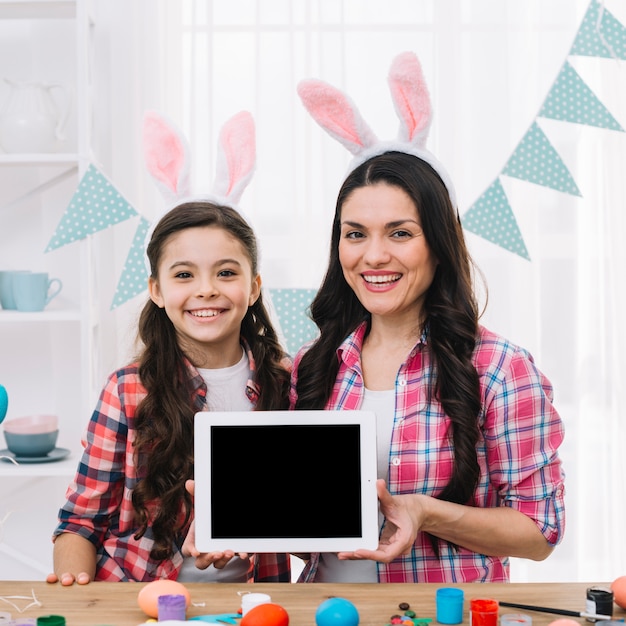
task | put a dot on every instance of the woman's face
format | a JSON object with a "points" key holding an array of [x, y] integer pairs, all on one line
{"points": [[383, 252]]}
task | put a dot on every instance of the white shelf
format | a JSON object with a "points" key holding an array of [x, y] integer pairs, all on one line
{"points": [[52, 158], [61, 315], [65, 467], [37, 9]]}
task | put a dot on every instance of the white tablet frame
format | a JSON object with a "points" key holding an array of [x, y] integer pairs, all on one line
{"points": [[204, 421]]}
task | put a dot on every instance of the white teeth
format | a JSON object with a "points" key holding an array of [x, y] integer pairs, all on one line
{"points": [[382, 279], [204, 313]]}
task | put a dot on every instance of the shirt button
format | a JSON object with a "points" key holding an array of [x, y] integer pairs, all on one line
{"points": [[395, 461], [402, 382]]}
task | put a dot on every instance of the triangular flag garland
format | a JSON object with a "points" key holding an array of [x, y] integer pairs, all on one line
{"points": [[95, 205], [600, 35], [134, 278], [535, 159], [491, 217], [585, 108]]}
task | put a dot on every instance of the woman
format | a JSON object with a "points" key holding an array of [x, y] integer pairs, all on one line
{"points": [[467, 432]]}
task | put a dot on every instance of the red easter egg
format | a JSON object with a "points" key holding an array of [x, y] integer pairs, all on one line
{"points": [[148, 597], [618, 587], [268, 614]]}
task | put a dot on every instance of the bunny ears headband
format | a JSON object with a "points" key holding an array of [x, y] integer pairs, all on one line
{"points": [[167, 158], [339, 117]]}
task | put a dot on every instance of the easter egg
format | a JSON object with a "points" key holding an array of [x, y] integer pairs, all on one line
{"points": [[618, 587], [564, 622], [268, 614], [148, 597], [336, 612]]}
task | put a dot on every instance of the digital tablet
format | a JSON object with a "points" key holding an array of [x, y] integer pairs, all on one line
{"points": [[285, 481]]}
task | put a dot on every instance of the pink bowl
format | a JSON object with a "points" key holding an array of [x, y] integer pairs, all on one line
{"points": [[32, 424]]}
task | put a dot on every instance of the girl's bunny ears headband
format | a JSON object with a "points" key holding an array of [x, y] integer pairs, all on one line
{"points": [[167, 156], [339, 117]]}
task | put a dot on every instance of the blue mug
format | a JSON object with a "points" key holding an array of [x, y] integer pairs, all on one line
{"points": [[7, 301], [32, 291]]}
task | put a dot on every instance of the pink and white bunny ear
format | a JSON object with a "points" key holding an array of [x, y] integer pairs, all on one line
{"points": [[236, 157], [411, 99], [339, 117], [336, 114], [166, 153]]}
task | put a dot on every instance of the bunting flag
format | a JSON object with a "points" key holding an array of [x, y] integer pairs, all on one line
{"points": [[95, 205], [492, 216], [535, 159], [134, 278], [291, 306]]}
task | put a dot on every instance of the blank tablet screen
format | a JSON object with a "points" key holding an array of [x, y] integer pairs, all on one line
{"points": [[285, 478]]}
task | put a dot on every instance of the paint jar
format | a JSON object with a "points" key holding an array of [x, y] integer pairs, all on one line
{"points": [[172, 607], [516, 619], [600, 602], [250, 600], [449, 605], [483, 612]]}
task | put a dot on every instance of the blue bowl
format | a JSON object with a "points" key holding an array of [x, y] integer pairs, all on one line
{"points": [[31, 444]]}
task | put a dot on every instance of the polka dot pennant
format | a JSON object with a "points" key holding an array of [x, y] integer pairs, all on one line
{"points": [[134, 278], [95, 205], [291, 307], [492, 218], [600, 35], [536, 161], [571, 100]]}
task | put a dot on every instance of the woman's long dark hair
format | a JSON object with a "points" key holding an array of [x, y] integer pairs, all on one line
{"points": [[450, 312], [164, 419]]}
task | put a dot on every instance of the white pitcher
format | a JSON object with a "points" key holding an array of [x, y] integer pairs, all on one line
{"points": [[31, 120]]}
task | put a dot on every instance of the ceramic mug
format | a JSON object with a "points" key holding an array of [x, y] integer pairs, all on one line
{"points": [[7, 301], [32, 291]]}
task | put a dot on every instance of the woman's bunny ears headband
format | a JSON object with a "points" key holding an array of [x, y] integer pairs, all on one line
{"points": [[339, 117], [167, 157]]}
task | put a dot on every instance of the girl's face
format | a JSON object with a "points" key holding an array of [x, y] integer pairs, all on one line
{"points": [[383, 253], [205, 284]]}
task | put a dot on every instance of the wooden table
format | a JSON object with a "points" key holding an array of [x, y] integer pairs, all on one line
{"points": [[115, 604]]}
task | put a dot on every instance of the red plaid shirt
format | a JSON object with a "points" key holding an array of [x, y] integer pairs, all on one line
{"points": [[99, 505], [517, 451]]}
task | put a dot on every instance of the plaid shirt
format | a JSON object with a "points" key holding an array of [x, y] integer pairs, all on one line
{"points": [[520, 432], [99, 505]]}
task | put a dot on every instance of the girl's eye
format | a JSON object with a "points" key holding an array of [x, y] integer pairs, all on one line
{"points": [[226, 273], [183, 275]]}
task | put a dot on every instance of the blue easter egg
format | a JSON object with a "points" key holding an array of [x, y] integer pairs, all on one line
{"points": [[336, 612], [4, 402]]}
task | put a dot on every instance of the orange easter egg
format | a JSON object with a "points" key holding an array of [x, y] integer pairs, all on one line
{"points": [[148, 597], [268, 614], [618, 587], [564, 622]]}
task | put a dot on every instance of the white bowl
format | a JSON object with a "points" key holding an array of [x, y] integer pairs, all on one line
{"points": [[32, 424]]}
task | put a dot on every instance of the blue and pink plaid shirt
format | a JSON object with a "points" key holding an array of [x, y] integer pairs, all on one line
{"points": [[99, 505], [520, 432]]}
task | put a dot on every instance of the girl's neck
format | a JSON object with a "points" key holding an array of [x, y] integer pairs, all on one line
{"points": [[215, 359]]}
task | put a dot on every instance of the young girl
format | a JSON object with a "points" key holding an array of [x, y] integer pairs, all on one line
{"points": [[208, 344]]}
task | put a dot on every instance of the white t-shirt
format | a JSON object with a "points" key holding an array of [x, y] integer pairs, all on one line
{"points": [[331, 569], [226, 391]]}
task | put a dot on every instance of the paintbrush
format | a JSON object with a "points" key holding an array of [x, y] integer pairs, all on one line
{"points": [[545, 609]]}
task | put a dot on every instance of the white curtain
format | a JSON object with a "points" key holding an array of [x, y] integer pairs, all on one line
{"points": [[489, 65]]}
